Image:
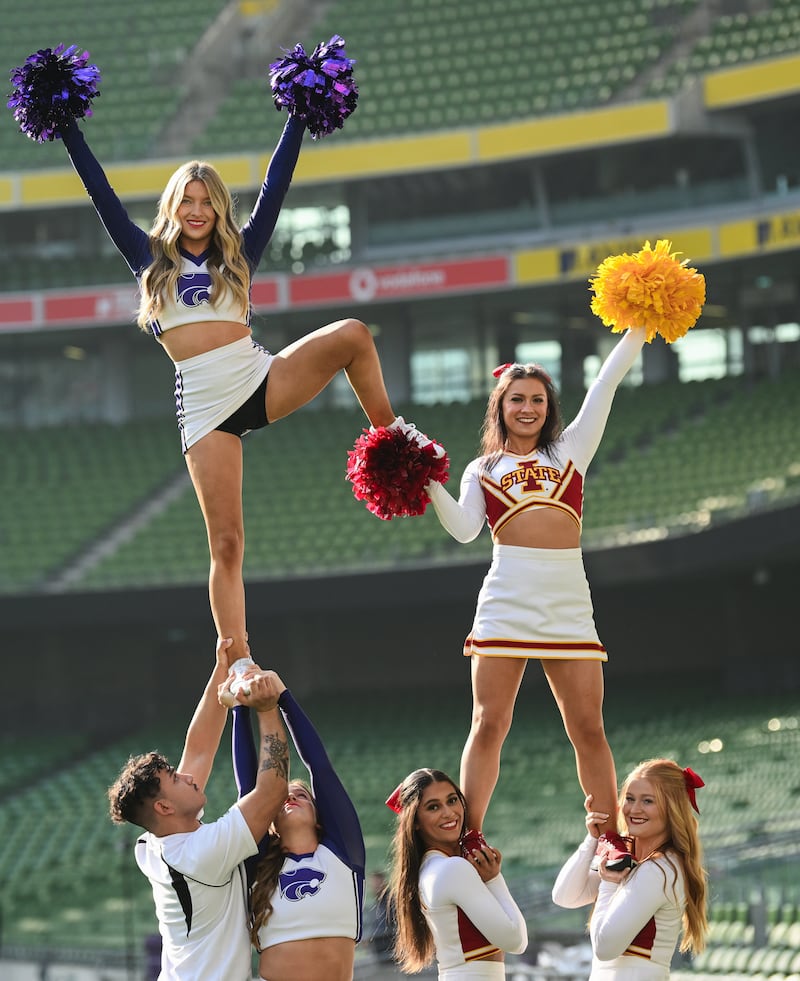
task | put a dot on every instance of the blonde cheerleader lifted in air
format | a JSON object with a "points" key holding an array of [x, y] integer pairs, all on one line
{"points": [[195, 269]]}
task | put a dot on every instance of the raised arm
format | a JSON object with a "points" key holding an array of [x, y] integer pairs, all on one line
{"points": [[342, 829], [583, 435], [243, 750], [131, 241], [207, 723], [464, 518], [261, 804], [258, 228]]}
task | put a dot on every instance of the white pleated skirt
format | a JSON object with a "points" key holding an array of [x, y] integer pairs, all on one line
{"points": [[212, 386], [535, 602]]}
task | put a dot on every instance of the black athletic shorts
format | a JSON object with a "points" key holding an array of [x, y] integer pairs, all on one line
{"points": [[250, 415]]}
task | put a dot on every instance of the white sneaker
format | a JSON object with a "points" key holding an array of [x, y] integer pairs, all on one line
{"points": [[238, 668], [413, 435]]}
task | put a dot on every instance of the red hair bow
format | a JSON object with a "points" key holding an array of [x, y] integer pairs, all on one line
{"points": [[501, 368], [693, 782], [393, 800]]}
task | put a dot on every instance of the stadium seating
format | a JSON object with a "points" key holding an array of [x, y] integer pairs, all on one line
{"points": [[64, 487], [56, 840], [472, 64], [137, 65], [567, 57], [458, 63], [733, 40], [71, 487], [488, 70]]}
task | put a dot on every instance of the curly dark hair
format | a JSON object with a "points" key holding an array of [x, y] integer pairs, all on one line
{"points": [[139, 782]]}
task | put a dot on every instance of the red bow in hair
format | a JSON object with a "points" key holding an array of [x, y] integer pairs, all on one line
{"points": [[393, 800], [692, 784], [501, 368]]}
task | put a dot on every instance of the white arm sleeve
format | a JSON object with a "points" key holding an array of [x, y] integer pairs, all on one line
{"points": [[623, 909], [489, 905], [464, 518], [584, 433], [576, 884]]}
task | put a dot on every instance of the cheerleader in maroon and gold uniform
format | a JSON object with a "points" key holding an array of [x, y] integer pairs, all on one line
{"points": [[639, 915], [535, 600], [528, 484], [446, 904]]}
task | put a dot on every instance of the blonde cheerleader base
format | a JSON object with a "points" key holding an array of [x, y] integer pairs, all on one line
{"points": [[535, 602]]}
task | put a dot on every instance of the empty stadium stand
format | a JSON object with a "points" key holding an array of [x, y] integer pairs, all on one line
{"points": [[136, 62], [734, 39], [487, 71], [70, 488]]}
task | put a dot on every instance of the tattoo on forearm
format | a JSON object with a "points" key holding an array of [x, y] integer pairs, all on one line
{"points": [[275, 755]]}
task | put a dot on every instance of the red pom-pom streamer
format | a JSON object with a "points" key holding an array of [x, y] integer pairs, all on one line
{"points": [[389, 472]]}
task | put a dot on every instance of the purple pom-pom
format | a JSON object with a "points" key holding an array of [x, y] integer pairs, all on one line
{"points": [[318, 88], [51, 88]]}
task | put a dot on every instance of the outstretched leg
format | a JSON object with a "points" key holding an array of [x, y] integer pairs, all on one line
{"points": [[215, 466], [302, 369], [578, 690], [495, 683]]}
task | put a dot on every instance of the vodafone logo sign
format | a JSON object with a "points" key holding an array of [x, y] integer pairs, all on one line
{"points": [[363, 284]]}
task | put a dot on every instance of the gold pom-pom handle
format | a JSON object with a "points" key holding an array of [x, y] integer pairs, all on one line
{"points": [[650, 289]]}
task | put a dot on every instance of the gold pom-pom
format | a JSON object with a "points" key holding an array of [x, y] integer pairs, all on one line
{"points": [[649, 289]]}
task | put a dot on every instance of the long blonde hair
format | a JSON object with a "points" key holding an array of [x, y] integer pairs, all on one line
{"points": [[683, 839], [414, 948], [227, 264]]}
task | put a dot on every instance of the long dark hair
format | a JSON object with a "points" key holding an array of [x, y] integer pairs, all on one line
{"points": [[413, 944], [493, 431]]}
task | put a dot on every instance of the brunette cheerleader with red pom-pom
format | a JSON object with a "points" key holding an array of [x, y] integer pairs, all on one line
{"points": [[195, 269], [528, 485]]}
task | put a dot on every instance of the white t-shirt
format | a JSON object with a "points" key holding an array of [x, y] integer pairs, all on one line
{"points": [[200, 894]]}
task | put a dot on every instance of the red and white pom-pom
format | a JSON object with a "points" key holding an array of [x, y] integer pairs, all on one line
{"points": [[389, 472]]}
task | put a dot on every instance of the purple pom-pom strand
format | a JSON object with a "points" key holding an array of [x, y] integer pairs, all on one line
{"points": [[52, 87], [318, 88]]}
